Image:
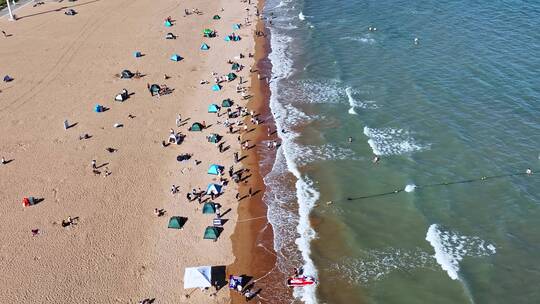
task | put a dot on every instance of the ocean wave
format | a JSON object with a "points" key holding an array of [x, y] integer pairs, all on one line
{"points": [[367, 39], [451, 247], [389, 141], [306, 194], [354, 103], [376, 264], [331, 92]]}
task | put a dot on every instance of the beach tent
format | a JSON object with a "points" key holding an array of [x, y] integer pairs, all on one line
{"points": [[216, 17], [213, 138], [168, 23], [198, 277], [154, 89], [235, 66], [208, 33], [176, 57], [213, 108], [236, 38], [196, 127], [137, 54], [215, 169], [177, 222], [236, 26], [213, 188], [227, 38], [231, 76], [209, 208], [211, 233], [226, 103], [216, 87], [126, 74], [98, 108], [170, 36], [205, 47]]}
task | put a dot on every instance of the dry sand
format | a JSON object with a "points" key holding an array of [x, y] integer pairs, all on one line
{"points": [[119, 252]]}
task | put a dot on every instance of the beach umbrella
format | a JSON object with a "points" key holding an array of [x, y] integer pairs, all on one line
{"points": [[216, 87], [168, 23], [235, 66], [216, 17], [205, 47], [236, 26]]}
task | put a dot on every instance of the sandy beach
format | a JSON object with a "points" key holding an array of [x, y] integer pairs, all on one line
{"points": [[117, 250]]}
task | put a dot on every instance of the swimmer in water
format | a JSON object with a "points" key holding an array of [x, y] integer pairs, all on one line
{"points": [[376, 159], [350, 139], [416, 41], [529, 171]]}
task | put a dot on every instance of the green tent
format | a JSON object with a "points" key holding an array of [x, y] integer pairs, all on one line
{"points": [[196, 127], [231, 76], [177, 222], [226, 103], [235, 66], [209, 208], [213, 138], [211, 233], [208, 33], [216, 17]]}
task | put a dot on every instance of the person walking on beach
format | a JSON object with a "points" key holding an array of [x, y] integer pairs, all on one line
{"points": [[250, 192], [236, 157], [178, 120], [173, 190], [94, 164]]}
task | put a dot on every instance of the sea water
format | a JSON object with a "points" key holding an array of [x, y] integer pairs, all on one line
{"points": [[446, 215]]}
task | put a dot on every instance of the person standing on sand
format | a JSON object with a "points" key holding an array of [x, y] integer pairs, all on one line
{"points": [[3, 161], [178, 120], [94, 164]]}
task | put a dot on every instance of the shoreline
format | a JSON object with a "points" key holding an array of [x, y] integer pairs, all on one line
{"points": [[253, 236]]}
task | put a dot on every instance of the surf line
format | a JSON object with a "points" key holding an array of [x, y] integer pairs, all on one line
{"points": [[410, 188]]}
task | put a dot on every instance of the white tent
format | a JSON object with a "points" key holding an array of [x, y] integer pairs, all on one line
{"points": [[198, 277]]}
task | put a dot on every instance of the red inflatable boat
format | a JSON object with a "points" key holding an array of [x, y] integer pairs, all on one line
{"points": [[301, 281]]}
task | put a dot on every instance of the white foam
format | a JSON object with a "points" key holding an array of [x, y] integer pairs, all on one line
{"points": [[301, 16], [354, 103], [389, 141], [306, 194], [374, 265], [410, 188], [450, 248], [366, 39]]}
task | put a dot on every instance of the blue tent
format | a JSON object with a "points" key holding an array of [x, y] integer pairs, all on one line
{"points": [[137, 54], [98, 108], [205, 47], [216, 87], [213, 188], [227, 38], [213, 108], [176, 57], [236, 38], [215, 169], [168, 23], [236, 26]]}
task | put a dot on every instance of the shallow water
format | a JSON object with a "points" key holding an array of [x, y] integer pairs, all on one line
{"points": [[423, 224]]}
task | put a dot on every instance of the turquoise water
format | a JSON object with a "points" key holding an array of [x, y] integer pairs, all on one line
{"points": [[460, 105]]}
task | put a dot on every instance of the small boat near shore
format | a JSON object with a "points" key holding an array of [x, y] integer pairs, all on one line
{"points": [[301, 281]]}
